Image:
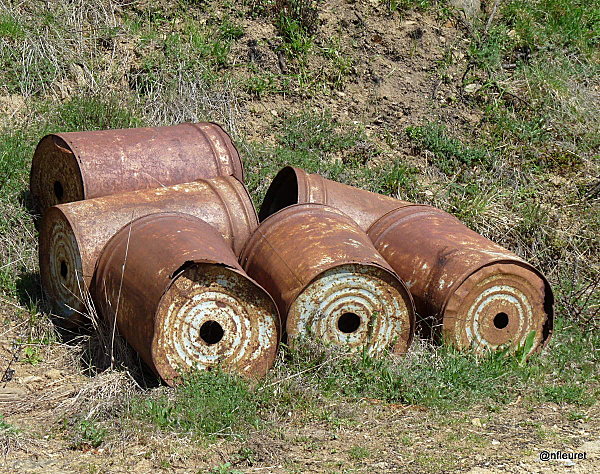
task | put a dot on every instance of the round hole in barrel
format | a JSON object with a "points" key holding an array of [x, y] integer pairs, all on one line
{"points": [[59, 192], [348, 322], [501, 320], [63, 269], [211, 332]]}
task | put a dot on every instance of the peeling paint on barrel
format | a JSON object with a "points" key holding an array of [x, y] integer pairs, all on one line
{"points": [[326, 285], [296, 186], [73, 166], [72, 235], [181, 299], [467, 289]]}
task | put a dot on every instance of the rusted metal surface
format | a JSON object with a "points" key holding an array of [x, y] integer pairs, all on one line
{"points": [[73, 235], [181, 299], [328, 281], [73, 166], [475, 293], [296, 186]]}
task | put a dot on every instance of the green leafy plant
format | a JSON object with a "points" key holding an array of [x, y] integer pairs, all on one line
{"points": [[88, 434]]}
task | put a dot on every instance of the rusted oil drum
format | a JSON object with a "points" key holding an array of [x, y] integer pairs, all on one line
{"points": [[181, 299], [73, 166], [72, 235], [328, 280], [474, 293], [295, 186]]}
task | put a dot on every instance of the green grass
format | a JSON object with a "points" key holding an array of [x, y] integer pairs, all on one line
{"points": [[214, 404], [10, 28], [451, 154], [338, 150], [358, 453], [4, 426], [207, 404]]}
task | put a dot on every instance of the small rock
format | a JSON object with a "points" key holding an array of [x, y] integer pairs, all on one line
{"points": [[495, 442], [472, 88], [476, 422], [472, 8], [557, 180], [53, 374], [591, 447], [31, 379], [274, 113]]}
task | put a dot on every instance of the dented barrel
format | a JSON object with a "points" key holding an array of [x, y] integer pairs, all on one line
{"points": [[328, 280], [72, 235], [181, 299], [474, 293], [73, 166], [296, 186]]}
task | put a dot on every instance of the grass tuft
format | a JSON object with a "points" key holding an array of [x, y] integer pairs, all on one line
{"points": [[207, 404]]}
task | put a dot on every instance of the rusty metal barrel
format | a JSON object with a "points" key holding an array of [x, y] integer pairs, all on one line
{"points": [[474, 293], [73, 166], [296, 186], [181, 299], [328, 280], [72, 235]]}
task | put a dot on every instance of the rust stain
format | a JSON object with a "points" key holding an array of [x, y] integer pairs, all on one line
{"points": [[181, 299], [73, 166], [472, 292], [72, 235], [296, 186], [328, 280]]}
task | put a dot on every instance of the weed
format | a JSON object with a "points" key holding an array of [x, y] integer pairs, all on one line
{"points": [[5, 427], [296, 42], [261, 84], [576, 416], [401, 178], [230, 31], [303, 12], [358, 453], [443, 379], [402, 5], [88, 434], [569, 393], [32, 355], [312, 133], [225, 468], [451, 154], [10, 28], [210, 404]]}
